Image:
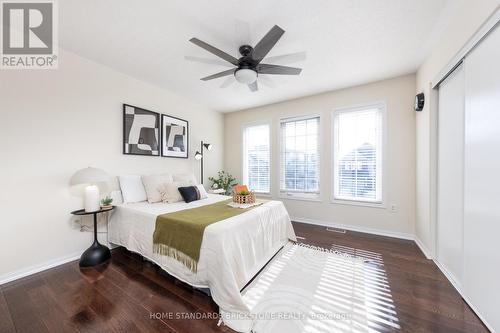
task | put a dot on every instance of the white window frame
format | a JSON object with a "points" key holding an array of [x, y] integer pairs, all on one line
{"points": [[300, 195], [244, 166], [383, 155]]}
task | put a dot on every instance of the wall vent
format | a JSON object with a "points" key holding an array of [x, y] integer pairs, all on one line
{"points": [[337, 230]]}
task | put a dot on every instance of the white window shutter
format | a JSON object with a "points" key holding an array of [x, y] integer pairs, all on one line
{"points": [[257, 158], [357, 154], [299, 157]]}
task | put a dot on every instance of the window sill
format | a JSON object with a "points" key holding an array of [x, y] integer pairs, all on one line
{"points": [[300, 198], [379, 205]]}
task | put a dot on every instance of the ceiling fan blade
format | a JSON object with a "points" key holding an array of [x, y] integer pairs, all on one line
{"points": [[289, 58], [217, 75], [267, 81], [253, 86], [227, 82], [278, 70], [266, 43], [208, 61], [215, 51]]}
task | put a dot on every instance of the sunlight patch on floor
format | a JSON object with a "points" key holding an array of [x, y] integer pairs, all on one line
{"points": [[346, 291]]}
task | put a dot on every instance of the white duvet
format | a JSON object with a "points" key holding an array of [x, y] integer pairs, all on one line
{"points": [[232, 250]]}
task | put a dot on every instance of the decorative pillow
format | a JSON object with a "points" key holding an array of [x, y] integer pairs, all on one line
{"points": [[193, 193], [152, 185], [188, 178], [132, 189], [170, 193], [203, 192], [117, 197], [190, 193]]}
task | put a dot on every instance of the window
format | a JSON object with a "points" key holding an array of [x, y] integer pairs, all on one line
{"points": [[357, 154], [300, 157], [257, 158]]}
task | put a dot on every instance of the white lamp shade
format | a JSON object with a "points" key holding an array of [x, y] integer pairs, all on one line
{"points": [[89, 176]]}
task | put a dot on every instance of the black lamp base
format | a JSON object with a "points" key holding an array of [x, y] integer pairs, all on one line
{"points": [[96, 254]]}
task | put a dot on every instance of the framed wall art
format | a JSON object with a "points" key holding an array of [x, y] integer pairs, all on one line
{"points": [[141, 131], [175, 137]]}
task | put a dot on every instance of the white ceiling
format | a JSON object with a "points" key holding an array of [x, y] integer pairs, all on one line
{"points": [[348, 42]]}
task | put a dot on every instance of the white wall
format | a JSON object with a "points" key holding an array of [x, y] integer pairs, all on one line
{"points": [[398, 93], [55, 122], [462, 20]]}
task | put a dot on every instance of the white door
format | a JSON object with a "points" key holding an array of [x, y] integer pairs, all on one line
{"points": [[482, 180], [451, 175]]}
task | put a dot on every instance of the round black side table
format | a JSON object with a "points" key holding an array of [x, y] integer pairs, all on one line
{"points": [[97, 253]]}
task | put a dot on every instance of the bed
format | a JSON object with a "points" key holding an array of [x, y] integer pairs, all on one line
{"points": [[232, 251]]}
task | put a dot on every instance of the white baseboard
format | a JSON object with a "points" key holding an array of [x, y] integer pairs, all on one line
{"points": [[449, 276], [379, 232], [423, 248], [38, 268], [458, 287], [394, 234]]}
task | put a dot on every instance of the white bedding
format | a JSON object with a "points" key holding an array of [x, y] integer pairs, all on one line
{"points": [[232, 250]]}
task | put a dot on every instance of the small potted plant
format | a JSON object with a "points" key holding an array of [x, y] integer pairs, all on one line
{"points": [[242, 195], [106, 203]]}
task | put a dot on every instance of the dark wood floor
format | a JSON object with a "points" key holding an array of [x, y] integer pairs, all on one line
{"points": [[122, 296]]}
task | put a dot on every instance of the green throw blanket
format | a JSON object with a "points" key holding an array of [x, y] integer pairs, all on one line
{"points": [[179, 234]]}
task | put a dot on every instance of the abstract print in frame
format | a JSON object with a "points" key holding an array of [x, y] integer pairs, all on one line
{"points": [[175, 137], [141, 131]]}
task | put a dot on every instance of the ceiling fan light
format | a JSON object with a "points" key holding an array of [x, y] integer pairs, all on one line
{"points": [[245, 75]]}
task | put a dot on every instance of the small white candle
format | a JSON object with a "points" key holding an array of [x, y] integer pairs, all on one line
{"points": [[92, 200]]}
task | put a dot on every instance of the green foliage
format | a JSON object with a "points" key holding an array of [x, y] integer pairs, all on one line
{"points": [[106, 201], [225, 181], [244, 192]]}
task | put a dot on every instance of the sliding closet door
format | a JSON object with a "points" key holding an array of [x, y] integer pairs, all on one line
{"points": [[451, 175], [482, 180]]}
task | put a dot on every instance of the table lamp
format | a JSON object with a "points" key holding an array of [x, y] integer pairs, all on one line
{"points": [[90, 177]]}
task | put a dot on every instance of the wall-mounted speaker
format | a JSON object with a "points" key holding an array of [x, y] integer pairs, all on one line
{"points": [[419, 102]]}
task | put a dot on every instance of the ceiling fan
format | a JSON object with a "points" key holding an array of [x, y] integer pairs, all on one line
{"points": [[249, 66]]}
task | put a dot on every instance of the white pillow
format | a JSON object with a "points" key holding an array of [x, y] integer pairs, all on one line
{"points": [[187, 178], [170, 192], [203, 192], [152, 185], [132, 189], [117, 197]]}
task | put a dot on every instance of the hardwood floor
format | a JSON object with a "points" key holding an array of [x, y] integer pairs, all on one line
{"points": [[130, 294]]}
